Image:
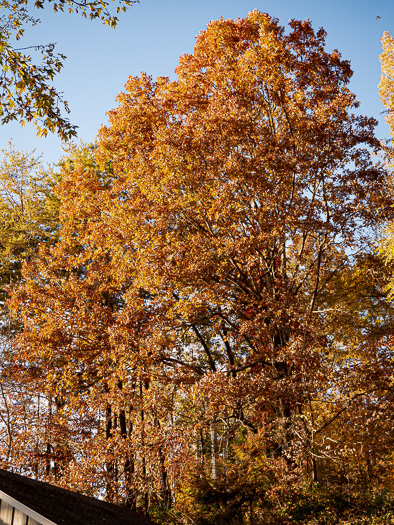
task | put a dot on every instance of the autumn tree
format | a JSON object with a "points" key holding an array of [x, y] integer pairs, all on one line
{"points": [[211, 296], [254, 208], [29, 217], [27, 71]]}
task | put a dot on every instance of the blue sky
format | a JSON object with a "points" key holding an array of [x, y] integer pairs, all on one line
{"points": [[153, 34]]}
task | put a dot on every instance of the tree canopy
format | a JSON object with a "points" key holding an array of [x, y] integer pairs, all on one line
{"points": [[209, 340]]}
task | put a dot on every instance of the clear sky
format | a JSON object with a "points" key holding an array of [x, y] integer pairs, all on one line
{"points": [[153, 34]]}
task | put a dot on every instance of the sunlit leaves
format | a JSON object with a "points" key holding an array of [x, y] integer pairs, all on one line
{"points": [[27, 72], [386, 91], [28, 211], [386, 85], [96, 9]]}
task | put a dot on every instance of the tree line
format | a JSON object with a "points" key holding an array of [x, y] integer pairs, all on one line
{"points": [[196, 310]]}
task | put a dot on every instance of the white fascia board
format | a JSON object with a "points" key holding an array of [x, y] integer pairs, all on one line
{"points": [[26, 510]]}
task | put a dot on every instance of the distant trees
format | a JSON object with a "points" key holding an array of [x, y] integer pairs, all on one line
{"points": [[28, 217], [28, 211], [211, 333]]}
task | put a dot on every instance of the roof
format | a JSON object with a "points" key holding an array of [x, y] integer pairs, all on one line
{"points": [[62, 507]]}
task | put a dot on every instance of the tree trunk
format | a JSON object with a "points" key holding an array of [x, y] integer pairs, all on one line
{"points": [[214, 446]]}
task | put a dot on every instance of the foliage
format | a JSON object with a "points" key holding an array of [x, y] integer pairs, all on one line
{"points": [[28, 211], [29, 217], [386, 91], [210, 338], [386, 85], [27, 93]]}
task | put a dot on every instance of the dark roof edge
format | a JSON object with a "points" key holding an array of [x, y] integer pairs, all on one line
{"points": [[26, 510]]}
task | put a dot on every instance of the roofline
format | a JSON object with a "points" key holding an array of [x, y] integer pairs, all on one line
{"points": [[26, 510]]}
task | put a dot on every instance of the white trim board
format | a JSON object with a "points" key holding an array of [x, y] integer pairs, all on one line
{"points": [[26, 510]]}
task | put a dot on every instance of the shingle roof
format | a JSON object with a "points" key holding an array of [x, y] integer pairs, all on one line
{"points": [[63, 507]]}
